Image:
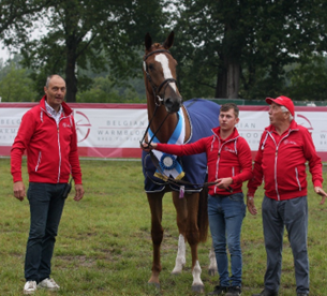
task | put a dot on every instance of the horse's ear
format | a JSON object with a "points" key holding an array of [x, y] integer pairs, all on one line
{"points": [[148, 41], [169, 41]]}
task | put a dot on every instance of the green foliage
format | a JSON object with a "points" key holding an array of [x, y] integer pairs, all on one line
{"points": [[256, 38], [308, 80], [104, 242], [104, 90], [219, 45], [16, 86], [91, 34], [18, 13]]}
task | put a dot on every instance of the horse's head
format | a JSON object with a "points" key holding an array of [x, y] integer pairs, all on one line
{"points": [[160, 71]]}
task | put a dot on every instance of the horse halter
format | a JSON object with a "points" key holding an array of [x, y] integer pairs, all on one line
{"points": [[156, 90]]}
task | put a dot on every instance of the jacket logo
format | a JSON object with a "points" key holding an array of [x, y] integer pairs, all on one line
{"points": [[229, 150], [290, 142], [66, 125]]}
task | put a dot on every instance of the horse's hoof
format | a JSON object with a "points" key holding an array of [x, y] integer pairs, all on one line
{"points": [[176, 272], [198, 288], [155, 285], [212, 271]]}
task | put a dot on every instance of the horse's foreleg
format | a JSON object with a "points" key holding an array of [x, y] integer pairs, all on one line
{"points": [[212, 269], [155, 203], [181, 212], [181, 256]]}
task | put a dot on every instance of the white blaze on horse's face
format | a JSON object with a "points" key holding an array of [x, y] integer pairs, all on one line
{"points": [[163, 60]]}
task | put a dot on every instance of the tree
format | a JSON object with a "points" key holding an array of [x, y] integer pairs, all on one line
{"points": [[104, 90], [230, 47], [307, 81], [79, 32], [12, 12], [20, 14], [16, 86]]}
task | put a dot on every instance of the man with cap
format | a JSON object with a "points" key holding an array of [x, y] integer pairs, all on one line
{"points": [[284, 149]]}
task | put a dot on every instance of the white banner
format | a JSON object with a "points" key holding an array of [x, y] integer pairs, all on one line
{"points": [[252, 124], [114, 130], [110, 128]]}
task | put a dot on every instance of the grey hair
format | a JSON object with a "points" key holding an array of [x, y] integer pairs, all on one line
{"points": [[284, 110], [49, 78]]}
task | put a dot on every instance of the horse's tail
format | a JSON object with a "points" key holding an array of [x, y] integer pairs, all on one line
{"points": [[203, 223]]}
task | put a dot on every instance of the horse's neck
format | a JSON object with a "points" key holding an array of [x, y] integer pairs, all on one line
{"points": [[167, 129]]}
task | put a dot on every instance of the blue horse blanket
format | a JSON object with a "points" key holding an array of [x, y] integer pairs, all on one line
{"points": [[203, 117]]}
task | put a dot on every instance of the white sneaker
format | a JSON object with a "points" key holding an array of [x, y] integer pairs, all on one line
{"points": [[30, 287], [49, 284]]}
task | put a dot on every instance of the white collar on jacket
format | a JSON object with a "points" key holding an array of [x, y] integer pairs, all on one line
{"points": [[53, 113]]}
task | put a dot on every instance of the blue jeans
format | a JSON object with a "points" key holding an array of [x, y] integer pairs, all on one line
{"points": [[226, 215], [46, 205], [293, 214]]}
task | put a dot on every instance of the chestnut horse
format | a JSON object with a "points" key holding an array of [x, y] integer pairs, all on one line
{"points": [[163, 103]]}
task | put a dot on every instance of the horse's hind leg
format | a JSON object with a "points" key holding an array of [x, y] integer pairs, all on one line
{"points": [[192, 235], [155, 203], [212, 269], [181, 210]]}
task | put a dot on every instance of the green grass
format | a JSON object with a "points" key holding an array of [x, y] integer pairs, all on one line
{"points": [[104, 245]]}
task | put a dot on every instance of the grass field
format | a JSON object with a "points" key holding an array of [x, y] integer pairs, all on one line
{"points": [[104, 245]]}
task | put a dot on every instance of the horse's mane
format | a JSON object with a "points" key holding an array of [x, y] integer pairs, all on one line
{"points": [[156, 45]]}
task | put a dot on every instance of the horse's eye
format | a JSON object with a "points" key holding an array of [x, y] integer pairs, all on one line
{"points": [[151, 67]]}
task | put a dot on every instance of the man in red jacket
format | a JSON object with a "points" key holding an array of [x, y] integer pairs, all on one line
{"points": [[229, 165], [47, 132], [284, 149]]}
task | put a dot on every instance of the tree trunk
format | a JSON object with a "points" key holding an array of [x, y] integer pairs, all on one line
{"points": [[221, 84], [70, 24], [228, 78], [71, 81], [233, 80], [228, 81]]}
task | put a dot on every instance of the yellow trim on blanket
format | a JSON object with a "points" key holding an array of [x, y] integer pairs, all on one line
{"points": [[180, 176], [165, 178]]}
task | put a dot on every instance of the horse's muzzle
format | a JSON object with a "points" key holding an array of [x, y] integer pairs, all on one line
{"points": [[172, 105]]}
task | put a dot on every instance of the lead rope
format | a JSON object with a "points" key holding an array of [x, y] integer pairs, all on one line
{"points": [[168, 180], [147, 129]]}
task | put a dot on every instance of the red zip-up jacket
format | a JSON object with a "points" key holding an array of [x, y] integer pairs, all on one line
{"points": [[51, 150], [280, 161], [225, 158]]}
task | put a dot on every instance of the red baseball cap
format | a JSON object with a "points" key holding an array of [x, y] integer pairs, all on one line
{"points": [[283, 101]]}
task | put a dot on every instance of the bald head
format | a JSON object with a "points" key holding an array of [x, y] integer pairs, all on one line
{"points": [[55, 90], [49, 78]]}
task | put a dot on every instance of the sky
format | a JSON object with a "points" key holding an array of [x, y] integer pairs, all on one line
{"points": [[4, 53], [37, 31]]}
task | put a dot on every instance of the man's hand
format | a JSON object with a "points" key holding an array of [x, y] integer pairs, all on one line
{"points": [[146, 147], [79, 192], [224, 183], [19, 190], [322, 193], [250, 204]]}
